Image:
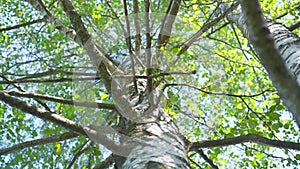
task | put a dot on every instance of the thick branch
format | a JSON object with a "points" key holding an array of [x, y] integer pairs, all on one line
{"points": [[244, 139], [61, 121], [99, 60], [43, 114], [36, 142], [61, 100], [167, 24]]}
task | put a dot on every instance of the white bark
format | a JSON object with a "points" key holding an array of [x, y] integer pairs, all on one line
{"points": [[278, 50], [287, 43], [163, 147], [155, 141]]}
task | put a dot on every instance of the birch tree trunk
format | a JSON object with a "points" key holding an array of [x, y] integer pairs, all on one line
{"points": [[162, 147], [278, 50], [287, 43], [154, 140]]}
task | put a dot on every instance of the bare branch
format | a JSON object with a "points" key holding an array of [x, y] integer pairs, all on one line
{"points": [[137, 28], [36, 142], [220, 94], [158, 75], [43, 114], [129, 45], [52, 72], [148, 46], [244, 139], [22, 90]]}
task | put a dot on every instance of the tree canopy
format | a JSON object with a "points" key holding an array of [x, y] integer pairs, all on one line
{"points": [[81, 81]]}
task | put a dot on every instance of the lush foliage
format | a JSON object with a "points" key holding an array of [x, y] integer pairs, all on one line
{"points": [[229, 95]]}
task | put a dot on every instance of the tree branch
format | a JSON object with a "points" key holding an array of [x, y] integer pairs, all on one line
{"points": [[148, 49], [295, 26], [204, 28], [43, 114], [129, 45], [83, 149], [243, 139], [167, 24], [214, 93], [40, 6], [137, 28], [60, 100], [207, 159], [49, 80], [52, 72], [100, 135], [22, 90], [106, 163], [36, 142], [22, 25], [104, 65]]}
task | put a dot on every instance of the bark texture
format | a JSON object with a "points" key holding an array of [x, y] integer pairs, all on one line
{"points": [[278, 50], [160, 146], [287, 43], [154, 140]]}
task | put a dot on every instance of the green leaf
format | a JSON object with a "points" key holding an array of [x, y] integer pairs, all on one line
{"points": [[259, 155], [274, 116], [104, 96], [99, 8]]}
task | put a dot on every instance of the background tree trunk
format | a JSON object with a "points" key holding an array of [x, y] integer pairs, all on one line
{"points": [[278, 51], [287, 43]]}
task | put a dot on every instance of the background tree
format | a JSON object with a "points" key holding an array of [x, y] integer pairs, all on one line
{"points": [[139, 84]]}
